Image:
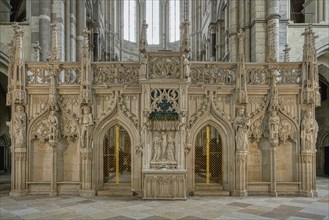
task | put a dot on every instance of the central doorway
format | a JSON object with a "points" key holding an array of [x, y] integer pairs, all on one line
{"points": [[208, 158], [117, 156]]}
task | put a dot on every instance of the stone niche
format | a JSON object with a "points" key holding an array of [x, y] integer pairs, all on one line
{"points": [[164, 176]]}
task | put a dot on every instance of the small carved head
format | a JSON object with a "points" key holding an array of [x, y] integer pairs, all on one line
{"points": [[85, 109], [19, 108]]}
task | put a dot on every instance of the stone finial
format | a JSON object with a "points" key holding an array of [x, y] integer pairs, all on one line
{"points": [[286, 53], [271, 55], [274, 96], [241, 35], [36, 51], [143, 38], [54, 45], [309, 50], [185, 45], [85, 35]]}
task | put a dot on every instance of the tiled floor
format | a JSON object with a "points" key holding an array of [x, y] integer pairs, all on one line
{"points": [[260, 207]]}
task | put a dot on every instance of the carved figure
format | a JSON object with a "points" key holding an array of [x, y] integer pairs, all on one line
{"points": [[171, 147], [20, 126], [164, 145], [53, 126], [157, 147], [142, 68], [273, 127], [241, 126], [186, 68], [309, 131], [87, 123]]}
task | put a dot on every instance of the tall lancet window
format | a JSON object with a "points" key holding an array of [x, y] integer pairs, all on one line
{"points": [[174, 20], [153, 20], [129, 22]]}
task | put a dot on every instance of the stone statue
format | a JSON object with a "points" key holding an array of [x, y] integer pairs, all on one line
{"points": [[164, 145], [186, 68], [157, 147], [309, 131], [241, 127], [19, 126], [87, 123], [53, 126], [171, 147], [142, 68], [273, 127]]}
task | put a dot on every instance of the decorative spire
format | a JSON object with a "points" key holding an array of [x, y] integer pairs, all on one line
{"points": [[85, 35], [143, 38], [185, 45], [286, 52], [309, 50], [241, 35], [16, 83], [271, 56], [54, 45]]}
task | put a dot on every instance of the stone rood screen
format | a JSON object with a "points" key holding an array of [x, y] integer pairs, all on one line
{"points": [[159, 127]]}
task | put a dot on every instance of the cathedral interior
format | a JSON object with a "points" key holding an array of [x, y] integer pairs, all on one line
{"points": [[164, 99]]}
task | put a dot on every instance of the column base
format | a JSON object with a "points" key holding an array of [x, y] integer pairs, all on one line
{"points": [[274, 194], [87, 193], [240, 193], [53, 193], [309, 193], [17, 193]]}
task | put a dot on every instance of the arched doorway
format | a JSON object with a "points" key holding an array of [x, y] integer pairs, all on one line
{"points": [[208, 158], [117, 156]]}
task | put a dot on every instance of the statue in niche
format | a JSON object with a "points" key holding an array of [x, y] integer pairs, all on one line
{"points": [[309, 131], [20, 126], [157, 147], [53, 126], [186, 68], [241, 127], [164, 145], [142, 68], [87, 123], [273, 127], [171, 147]]}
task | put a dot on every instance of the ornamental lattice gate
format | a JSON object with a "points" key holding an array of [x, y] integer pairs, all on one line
{"points": [[208, 156], [117, 156]]}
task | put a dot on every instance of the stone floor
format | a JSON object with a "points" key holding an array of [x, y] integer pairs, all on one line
{"points": [[255, 207]]}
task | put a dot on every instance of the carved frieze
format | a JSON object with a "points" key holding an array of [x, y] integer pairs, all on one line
{"points": [[116, 73], [164, 67], [213, 74]]}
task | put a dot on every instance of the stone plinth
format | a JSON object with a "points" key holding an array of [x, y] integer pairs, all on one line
{"points": [[164, 184]]}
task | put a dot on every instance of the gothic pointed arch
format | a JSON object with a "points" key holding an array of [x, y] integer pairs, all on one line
{"points": [[228, 146], [99, 134]]}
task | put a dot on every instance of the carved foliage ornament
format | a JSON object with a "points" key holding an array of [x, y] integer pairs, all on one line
{"points": [[126, 111], [165, 67], [170, 96]]}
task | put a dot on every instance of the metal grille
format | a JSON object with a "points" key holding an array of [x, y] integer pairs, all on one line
{"points": [[208, 156], [117, 156]]}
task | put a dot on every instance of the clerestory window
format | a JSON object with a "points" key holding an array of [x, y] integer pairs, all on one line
{"points": [[153, 20], [129, 22], [174, 20]]}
